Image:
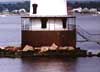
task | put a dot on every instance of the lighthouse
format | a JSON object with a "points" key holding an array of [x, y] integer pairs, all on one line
{"points": [[48, 23], [48, 7]]}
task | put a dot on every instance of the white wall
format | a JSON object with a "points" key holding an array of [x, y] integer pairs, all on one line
{"points": [[36, 24], [49, 7], [52, 24]]}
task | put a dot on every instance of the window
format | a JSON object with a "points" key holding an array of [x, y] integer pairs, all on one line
{"points": [[34, 8], [64, 22], [44, 23]]}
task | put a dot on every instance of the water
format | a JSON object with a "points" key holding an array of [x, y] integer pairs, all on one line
{"points": [[91, 24], [10, 30], [50, 65], [10, 34]]}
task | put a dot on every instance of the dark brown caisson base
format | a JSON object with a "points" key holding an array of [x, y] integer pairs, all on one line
{"points": [[47, 38]]}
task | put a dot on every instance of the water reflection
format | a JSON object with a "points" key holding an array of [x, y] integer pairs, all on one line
{"points": [[88, 65], [50, 65]]}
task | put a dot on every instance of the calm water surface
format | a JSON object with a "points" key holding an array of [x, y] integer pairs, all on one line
{"points": [[10, 30], [50, 65], [91, 24]]}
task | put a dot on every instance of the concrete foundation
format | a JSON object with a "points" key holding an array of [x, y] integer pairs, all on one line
{"points": [[47, 38]]}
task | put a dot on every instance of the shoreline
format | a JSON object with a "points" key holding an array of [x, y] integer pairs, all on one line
{"points": [[18, 52]]}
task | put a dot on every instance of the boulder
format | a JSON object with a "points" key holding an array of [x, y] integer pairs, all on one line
{"points": [[11, 48], [28, 48], [53, 47], [44, 49], [2, 47], [63, 48], [71, 48]]}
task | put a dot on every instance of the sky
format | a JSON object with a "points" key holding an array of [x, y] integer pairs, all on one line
{"points": [[28, 0]]}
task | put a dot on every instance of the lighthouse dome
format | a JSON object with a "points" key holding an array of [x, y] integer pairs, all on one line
{"points": [[48, 8]]}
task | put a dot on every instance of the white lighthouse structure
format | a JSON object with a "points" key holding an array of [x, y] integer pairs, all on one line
{"points": [[48, 7], [48, 22]]}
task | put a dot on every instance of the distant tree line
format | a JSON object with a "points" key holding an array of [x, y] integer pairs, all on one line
{"points": [[15, 6], [85, 4], [26, 5]]}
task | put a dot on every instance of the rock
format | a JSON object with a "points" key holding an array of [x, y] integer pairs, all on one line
{"points": [[53, 47], [37, 48], [44, 49], [71, 48], [2, 47], [90, 54], [63, 48], [11, 48], [98, 54], [28, 48]]}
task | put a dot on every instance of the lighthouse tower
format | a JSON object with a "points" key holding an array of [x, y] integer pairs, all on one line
{"points": [[48, 23], [48, 7]]}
